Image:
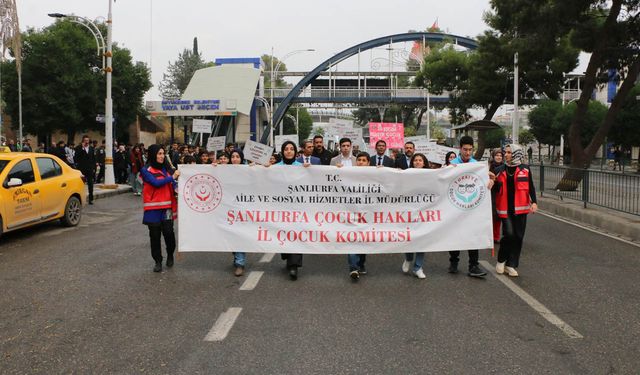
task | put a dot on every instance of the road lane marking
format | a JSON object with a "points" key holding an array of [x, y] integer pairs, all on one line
{"points": [[534, 303], [252, 280], [267, 257], [587, 228], [223, 325]]}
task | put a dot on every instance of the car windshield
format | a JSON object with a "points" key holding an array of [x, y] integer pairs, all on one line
{"points": [[3, 163]]}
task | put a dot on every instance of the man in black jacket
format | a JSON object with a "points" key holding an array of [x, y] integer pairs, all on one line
{"points": [[403, 161], [85, 158], [320, 152]]}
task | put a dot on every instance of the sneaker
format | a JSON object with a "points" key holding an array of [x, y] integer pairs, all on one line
{"points": [[355, 275], [362, 271], [293, 273], [406, 266], [476, 271], [453, 267], [239, 271], [500, 268], [511, 271], [419, 274]]}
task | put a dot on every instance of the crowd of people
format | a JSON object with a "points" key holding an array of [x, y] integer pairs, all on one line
{"points": [[511, 183]]}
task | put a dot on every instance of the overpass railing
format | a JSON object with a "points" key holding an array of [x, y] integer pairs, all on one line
{"points": [[616, 191], [356, 93]]}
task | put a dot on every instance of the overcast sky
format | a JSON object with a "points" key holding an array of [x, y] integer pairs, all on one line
{"points": [[156, 31]]}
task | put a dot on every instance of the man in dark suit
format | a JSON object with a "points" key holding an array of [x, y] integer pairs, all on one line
{"points": [[307, 151], [403, 161], [320, 152], [380, 158], [85, 158]]}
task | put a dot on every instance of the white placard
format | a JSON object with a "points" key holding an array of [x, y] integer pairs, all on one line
{"points": [[329, 210], [201, 125], [216, 143], [257, 152]]}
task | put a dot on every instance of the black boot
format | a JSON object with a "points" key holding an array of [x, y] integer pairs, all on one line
{"points": [[293, 272], [169, 260], [158, 267]]}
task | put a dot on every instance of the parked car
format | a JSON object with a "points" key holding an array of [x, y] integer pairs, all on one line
{"points": [[37, 188]]}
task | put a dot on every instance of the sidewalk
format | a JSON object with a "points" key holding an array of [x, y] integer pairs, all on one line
{"points": [[609, 221], [99, 193]]}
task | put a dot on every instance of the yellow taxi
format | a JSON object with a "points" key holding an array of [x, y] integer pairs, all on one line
{"points": [[38, 188]]}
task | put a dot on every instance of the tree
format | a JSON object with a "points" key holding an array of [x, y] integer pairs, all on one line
{"points": [[541, 120], [305, 122], [63, 88], [494, 138], [180, 72], [266, 61], [482, 78], [626, 129], [525, 137], [609, 30]]}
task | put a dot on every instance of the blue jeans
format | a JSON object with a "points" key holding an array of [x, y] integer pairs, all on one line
{"points": [[419, 260], [135, 183], [356, 261], [239, 259]]}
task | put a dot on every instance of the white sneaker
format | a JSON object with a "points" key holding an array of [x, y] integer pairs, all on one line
{"points": [[511, 271], [500, 268], [419, 274], [406, 266]]}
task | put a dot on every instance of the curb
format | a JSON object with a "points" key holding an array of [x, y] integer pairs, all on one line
{"points": [[627, 226], [104, 193]]}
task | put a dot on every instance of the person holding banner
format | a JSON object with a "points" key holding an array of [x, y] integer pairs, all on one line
{"points": [[404, 161], [223, 158], [239, 257], [160, 204], [307, 154], [515, 199], [319, 151], [466, 149], [495, 162], [380, 158], [356, 261], [344, 159], [448, 158], [417, 161], [289, 152]]}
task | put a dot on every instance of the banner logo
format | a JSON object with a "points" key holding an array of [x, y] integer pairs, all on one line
{"points": [[203, 193], [467, 191]]}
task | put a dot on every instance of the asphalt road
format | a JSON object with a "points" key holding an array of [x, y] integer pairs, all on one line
{"points": [[84, 300]]}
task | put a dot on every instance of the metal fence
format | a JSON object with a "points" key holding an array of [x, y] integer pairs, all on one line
{"points": [[616, 191]]}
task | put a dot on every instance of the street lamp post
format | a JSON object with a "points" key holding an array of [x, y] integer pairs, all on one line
{"points": [[274, 77], [106, 48]]}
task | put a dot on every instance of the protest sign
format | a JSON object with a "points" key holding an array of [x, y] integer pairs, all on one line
{"points": [[201, 126], [257, 152], [328, 210], [216, 143], [391, 133]]}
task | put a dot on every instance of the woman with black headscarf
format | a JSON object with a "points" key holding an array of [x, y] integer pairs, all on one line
{"points": [[289, 152], [515, 199], [160, 204]]}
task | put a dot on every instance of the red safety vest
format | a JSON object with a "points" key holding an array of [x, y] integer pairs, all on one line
{"points": [[522, 200], [154, 198]]}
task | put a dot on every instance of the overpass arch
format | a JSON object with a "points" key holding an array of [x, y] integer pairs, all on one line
{"points": [[278, 115]]}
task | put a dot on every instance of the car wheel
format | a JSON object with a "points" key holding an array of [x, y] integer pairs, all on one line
{"points": [[72, 212]]}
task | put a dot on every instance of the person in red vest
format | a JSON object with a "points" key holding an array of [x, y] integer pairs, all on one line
{"points": [[160, 204], [515, 199]]}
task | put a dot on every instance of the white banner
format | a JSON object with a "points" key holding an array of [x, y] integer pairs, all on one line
{"points": [[329, 210]]}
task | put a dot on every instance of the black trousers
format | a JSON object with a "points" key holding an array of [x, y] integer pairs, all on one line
{"points": [[513, 228], [88, 175], [293, 260], [165, 228], [454, 257], [100, 177]]}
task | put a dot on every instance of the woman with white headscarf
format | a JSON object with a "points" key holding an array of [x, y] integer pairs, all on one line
{"points": [[515, 199]]}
